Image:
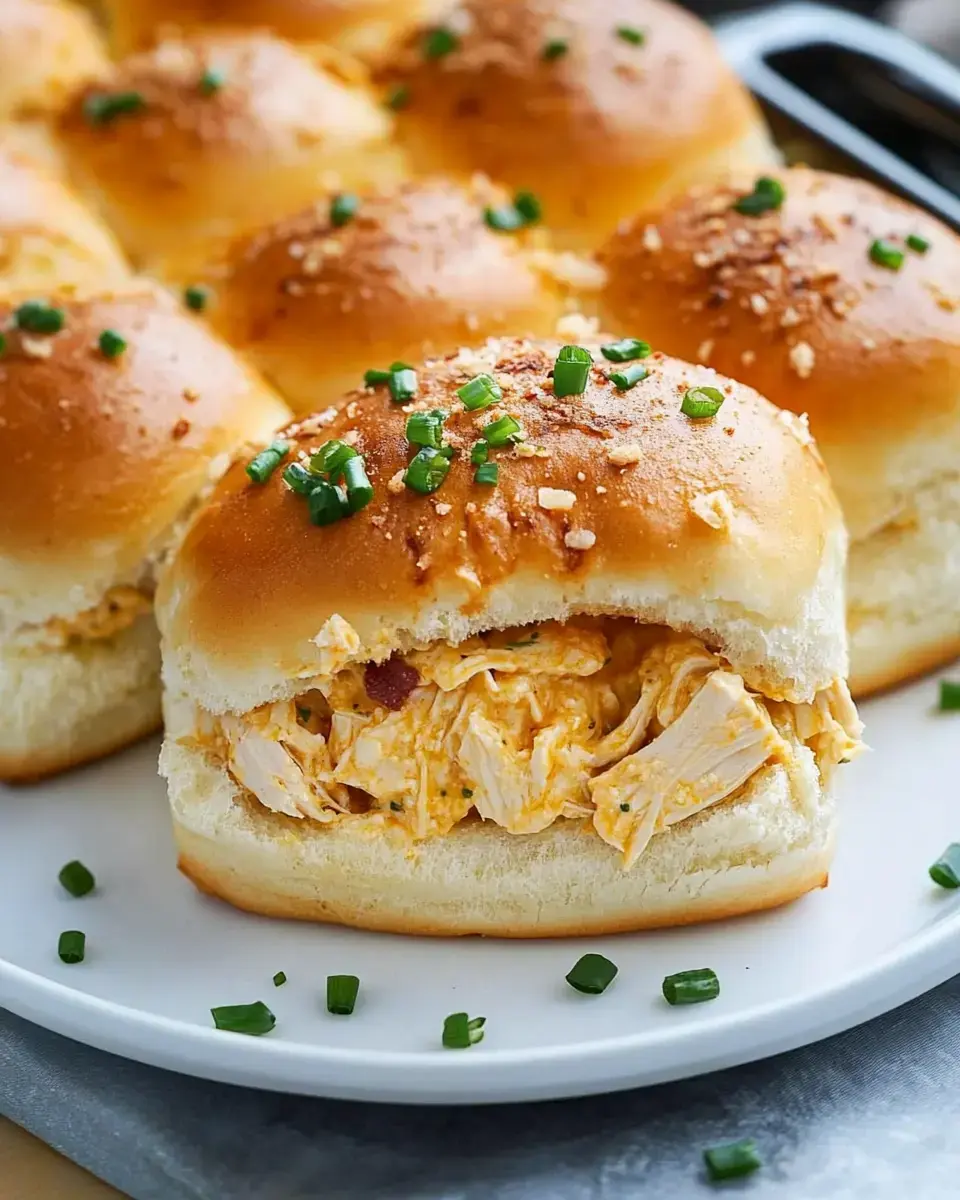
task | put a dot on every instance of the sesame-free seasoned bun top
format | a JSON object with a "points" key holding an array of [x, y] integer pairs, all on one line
{"points": [[48, 237], [600, 106], [319, 297], [615, 502], [199, 140], [103, 455], [793, 302], [47, 48]]}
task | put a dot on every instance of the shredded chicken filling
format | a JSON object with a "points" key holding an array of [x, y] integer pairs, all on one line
{"points": [[633, 727]]}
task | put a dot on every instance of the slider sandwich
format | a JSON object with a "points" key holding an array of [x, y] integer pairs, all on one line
{"points": [[116, 412], [554, 645], [838, 301]]}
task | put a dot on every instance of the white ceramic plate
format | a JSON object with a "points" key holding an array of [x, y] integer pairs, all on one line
{"points": [[159, 955]]}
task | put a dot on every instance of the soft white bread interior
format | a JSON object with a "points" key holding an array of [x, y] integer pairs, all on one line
{"points": [[218, 134], [48, 237], [794, 302], [415, 273], [726, 528], [104, 455], [765, 846], [600, 107]]}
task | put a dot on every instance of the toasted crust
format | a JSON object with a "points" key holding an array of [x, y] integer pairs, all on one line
{"points": [[244, 607], [605, 128], [791, 303], [364, 27], [47, 48], [102, 457], [48, 238], [191, 169], [415, 273], [758, 850]]}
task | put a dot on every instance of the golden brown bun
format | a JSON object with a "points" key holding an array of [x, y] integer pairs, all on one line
{"points": [[608, 128], [791, 303], [763, 847], [47, 48], [48, 238], [244, 607], [363, 27], [190, 170], [417, 272], [102, 457]]}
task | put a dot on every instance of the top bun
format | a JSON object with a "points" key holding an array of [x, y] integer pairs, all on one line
{"points": [[102, 456], [48, 238], [415, 272], [725, 527], [793, 303], [362, 27], [599, 106], [200, 140]]}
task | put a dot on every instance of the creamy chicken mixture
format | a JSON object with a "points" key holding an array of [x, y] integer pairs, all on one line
{"points": [[120, 607], [634, 727]]}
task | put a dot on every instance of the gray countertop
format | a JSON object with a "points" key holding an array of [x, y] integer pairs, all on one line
{"points": [[872, 1113]]}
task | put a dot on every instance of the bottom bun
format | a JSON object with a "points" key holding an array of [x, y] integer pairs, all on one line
{"points": [[767, 845], [60, 708], [902, 589]]}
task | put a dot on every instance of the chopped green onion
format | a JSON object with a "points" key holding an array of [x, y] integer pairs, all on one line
{"points": [[702, 402], [886, 254], [342, 994], [554, 48], [426, 471], [505, 218], [111, 344], [426, 428], [358, 486], [396, 806], [448, 451], [629, 377], [253, 1019], [625, 350], [3, 343], [461, 1031], [326, 504], [918, 244], [212, 81], [466, 793], [329, 460], [280, 979], [949, 696], [768, 195], [398, 97], [592, 974], [196, 297], [487, 473], [72, 946], [37, 316], [502, 432], [299, 479], [624, 807], [480, 452], [528, 206], [76, 879], [627, 33], [343, 208], [691, 987], [571, 371], [946, 870], [403, 384], [373, 377], [104, 107], [480, 392], [266, 462], [440, 42], [732, 1160]]}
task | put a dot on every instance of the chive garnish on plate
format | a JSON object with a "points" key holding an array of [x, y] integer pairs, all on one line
{"points": [[358, 487], [252, 1019], [592, 974], [440, 42], [625, 350], [426, 471], [946, 870], [263, 465], [691, 987], [480, 392], [629, 377], [104, 107], [280, 979], [111, 344], [949, 696], [629, 33], [326, 504], [487, 473], [76, 879], [402, 383], [461, 1031], [331, 458], [37, 316], [343, 208], [732, 1160], [502, 432], [196, 297], [72, 946], [479, 452], [426, 428], [554, 48], [918, 244], [885, 254], [571, 371], [701, 403], [767, 196], [342, 994], [212, 81], [525, 210]]}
